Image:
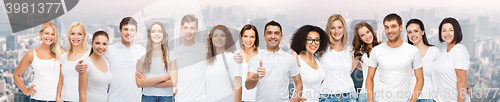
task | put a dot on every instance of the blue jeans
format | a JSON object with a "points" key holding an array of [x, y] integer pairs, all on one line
{"points": [[426, 100], [364, 98], [157, 98], [34, 100], [344, 97]]}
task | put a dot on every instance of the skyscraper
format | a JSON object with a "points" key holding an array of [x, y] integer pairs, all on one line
{"points": [[468, 31], [12, 42]]}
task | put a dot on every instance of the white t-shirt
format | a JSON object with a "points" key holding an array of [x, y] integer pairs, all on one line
{"points": [[428, 59], [157, 68], [395, 67], [45, 78], [280, 66], [69, 90], [191, 70], [247, 95], [219, 86], [337, 66], [444, 73], [122, 64], [364, 65], [97, 82], [311, 80]]}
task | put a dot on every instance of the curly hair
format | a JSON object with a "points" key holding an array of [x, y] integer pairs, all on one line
{"points": [[299, 39], [361, 47], [229, 43]]}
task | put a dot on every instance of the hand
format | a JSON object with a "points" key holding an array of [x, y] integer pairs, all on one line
{"points": [[238, 58], [31, 91], [59, 99], [140, 75], [468, 87], [175, 90], [261, 72], [80, 68], [296, 57]]}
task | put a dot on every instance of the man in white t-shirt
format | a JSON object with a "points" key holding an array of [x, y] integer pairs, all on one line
{"points": [[122, 59], [270, 70], [394, 62]]}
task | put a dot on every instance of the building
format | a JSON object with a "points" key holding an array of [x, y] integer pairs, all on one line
{"points": [[259, 23], [468, 31], [12, 42]]}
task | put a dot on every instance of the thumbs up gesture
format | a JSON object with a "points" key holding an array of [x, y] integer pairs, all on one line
{"points": [[261, 72]]}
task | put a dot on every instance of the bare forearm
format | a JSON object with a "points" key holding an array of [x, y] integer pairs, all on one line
{"points": [[164, 84], [462, 88], [251, 81], [148, 82]]}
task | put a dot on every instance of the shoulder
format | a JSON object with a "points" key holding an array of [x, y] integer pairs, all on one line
{"points": [[64, 55], [459, 48], [378, 47], [29, 54], [434, 49], [137, 46]]}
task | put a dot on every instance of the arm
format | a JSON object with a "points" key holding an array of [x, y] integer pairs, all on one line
{"points": [[419, 74], [461, 84], [237, 89], [82, 86], [251, 81], [354, 63], [18, 73], [59, 87], [173, 74], [369, 83], [298, 88], [147, 82]]}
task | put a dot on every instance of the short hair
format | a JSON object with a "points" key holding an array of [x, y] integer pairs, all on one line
{"points": [[421, 25], [299, 39], [250, 27], [456, 29], [128, 20], [393, 16], [273, 23], [189, 18]]}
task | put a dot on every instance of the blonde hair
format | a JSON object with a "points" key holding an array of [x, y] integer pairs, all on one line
{"points": [[84, 43], [329, 26], [54, 47]]}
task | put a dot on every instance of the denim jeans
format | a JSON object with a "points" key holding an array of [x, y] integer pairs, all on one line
{"points": [[34, 100], [345, 97], [157, 98], [426, 100], [364, 98]]}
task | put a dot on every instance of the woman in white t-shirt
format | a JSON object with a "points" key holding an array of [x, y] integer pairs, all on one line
{"points": [[416, 36], [67, 88], [45, 63], [450, 74], [249, 44], [310, 42], [223, 76], [153, 67], [338, 64], [364, 40], [93, 84]]}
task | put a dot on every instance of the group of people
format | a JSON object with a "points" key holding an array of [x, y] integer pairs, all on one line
{"points": [[320, 64]]}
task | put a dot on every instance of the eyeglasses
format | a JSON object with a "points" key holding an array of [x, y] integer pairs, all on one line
{"points": [[310, 41]]}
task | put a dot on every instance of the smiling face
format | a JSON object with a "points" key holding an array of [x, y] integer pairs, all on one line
{"points": [[48, 36], [447, 33], [312, 42], [156, 33], [273, 36], [100, 45], [337, 30], [188, 30], [128, 33], [248, 39], [415, 33], [76, 36], [393, 30], [366, 35], [219, 38]]}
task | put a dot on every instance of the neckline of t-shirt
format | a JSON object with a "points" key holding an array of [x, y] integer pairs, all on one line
{"points": [[78, 58], [301, 60], [451, 48]]}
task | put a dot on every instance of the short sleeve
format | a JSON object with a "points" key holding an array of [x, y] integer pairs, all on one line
{"points": [[461, 57], [234, 66], [373, 59], [254, 64], [142, 58], [63, 57], [171, 56], [417, 60], [294, 67]]}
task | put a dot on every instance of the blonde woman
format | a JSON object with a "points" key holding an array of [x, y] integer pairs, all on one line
{"points": [[67, 88], [45, 63]]}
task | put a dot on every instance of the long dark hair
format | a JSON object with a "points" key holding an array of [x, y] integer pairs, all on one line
{"points": [[98, 33], [361, 47], [229, 43], [421, 24]]}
